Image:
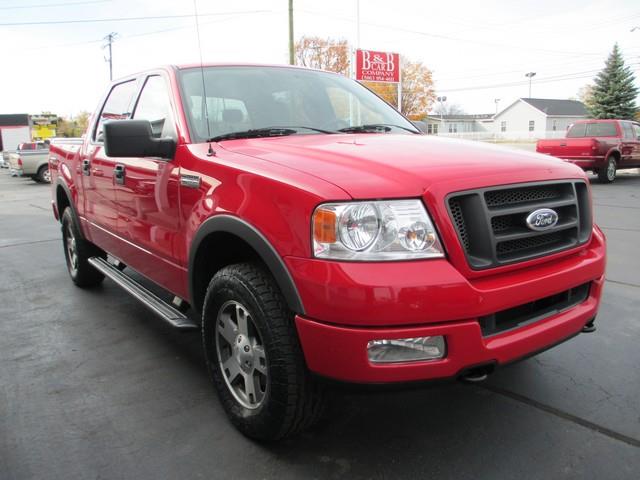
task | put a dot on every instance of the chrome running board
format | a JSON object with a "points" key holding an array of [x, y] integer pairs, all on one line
{"points": [[161, 308]]}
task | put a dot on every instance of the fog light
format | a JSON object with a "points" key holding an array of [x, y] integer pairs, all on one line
{"points": [[406, 349]]}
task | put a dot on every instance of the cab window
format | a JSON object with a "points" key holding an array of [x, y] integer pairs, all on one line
{"points": [[117, 106], [154, 105]]}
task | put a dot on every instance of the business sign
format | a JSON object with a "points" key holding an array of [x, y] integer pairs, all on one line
{"points": [[377, 66]]}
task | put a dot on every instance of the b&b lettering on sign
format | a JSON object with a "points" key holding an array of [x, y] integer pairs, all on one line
{"points": [[377, 66]]}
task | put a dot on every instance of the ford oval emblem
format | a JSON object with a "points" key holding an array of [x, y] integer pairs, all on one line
{"points": [[542, 219]]}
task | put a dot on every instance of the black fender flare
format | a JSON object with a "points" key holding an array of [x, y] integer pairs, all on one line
{"points": [[67, 192], [257, 241]]}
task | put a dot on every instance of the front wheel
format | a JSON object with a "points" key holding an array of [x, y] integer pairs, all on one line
{"points": [[608, 174], [254, 357]]}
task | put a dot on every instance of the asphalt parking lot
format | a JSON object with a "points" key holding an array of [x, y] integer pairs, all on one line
{"points": [[93, 386]]}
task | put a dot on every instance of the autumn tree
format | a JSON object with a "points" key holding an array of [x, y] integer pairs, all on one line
{"points": [[334, 55], [417, 89], [74, 126], [323, 53], [585, 95]]}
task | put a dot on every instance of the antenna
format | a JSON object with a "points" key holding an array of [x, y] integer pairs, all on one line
{"points": [[210, 151]]}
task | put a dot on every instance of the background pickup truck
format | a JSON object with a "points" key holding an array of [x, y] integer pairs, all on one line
{"points": [[308, 231], [31, 160], [602, 146]]}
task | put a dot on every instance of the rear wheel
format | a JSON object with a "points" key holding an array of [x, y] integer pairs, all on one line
{"points": [[254, 356], [43, 175], [608, 173], [77, 252]]}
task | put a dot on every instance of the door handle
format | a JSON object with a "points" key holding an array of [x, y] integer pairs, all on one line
{"points": [[86, 167], [119, 173]]}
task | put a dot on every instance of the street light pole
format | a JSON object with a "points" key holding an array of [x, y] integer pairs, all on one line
{"points": [[530, 75], [441, 100]]}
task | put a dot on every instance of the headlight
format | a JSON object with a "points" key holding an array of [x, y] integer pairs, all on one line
{"points": [[374, 231]]}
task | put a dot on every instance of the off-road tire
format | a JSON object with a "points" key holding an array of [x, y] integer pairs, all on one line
{"points": [[80, 271], [293, 401], [608, 173]]}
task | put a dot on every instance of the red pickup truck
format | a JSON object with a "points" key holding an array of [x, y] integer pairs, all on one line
{"points": [[313, 232], [602, 146]]}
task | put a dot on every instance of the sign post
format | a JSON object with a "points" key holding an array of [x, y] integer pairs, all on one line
{"points": [[372, 66]]}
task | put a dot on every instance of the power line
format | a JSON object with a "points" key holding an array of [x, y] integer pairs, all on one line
{"points": [[456, 39], [142, 34], [46, 5], [551, 79], [128, 19]]}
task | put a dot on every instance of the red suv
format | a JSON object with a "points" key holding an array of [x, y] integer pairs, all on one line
{"points": [[314, 232]]}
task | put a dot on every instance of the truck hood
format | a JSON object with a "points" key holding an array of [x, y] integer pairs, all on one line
{"points": [[390, 165]]}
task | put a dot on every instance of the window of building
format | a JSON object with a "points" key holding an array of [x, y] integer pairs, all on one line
{"points": [[503, 126], [117, 106], [435, 129], [429, 129], [532, 125], [554, 125]]}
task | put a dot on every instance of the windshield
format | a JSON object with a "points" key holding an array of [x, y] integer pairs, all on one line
{"points": [[580, 130], [249, 98]]}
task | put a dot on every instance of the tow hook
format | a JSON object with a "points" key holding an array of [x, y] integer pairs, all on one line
{"points": [[590, 326], [476, 374]]}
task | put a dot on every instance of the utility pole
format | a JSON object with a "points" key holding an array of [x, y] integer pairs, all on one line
{"points": [[292, 59], [357, 23], [530, 75], [109, 39]]}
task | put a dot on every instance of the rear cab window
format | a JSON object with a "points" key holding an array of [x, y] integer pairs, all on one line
{"points": [[582, 130]]}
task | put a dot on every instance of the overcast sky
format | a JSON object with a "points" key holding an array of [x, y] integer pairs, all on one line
{"points": [[478, 51]]}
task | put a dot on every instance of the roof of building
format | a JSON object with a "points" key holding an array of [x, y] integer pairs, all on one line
{"points": [[14, 119], [552, 106], [474, 116]]}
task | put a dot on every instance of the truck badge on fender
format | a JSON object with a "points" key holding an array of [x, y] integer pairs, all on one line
{"points": [[191, 181]]}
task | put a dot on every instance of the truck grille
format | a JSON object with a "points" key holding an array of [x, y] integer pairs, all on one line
{"points": [[533, 311], [491, 222]]}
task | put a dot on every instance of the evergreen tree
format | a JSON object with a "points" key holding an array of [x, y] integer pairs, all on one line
{"points": [[614, 93]]}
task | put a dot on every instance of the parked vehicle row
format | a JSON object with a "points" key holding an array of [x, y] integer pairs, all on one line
{"points": [[316, 233], [31, 160], [601, 146]]}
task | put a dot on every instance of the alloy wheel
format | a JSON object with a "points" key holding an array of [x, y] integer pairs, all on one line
{"points": [[241, 355]]}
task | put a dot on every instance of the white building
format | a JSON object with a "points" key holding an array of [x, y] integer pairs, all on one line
{"points": [[533, 118], [473, 127], [524, 119]]}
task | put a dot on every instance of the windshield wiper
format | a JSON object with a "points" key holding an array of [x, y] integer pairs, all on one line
{"points": [[254, 133], [374, 128], [279, 131]]}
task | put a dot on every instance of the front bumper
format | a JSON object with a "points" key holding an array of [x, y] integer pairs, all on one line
{"points": [[347, 305]]}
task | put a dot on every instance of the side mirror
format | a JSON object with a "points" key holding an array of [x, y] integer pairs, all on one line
{"points": [[134, 138]]}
